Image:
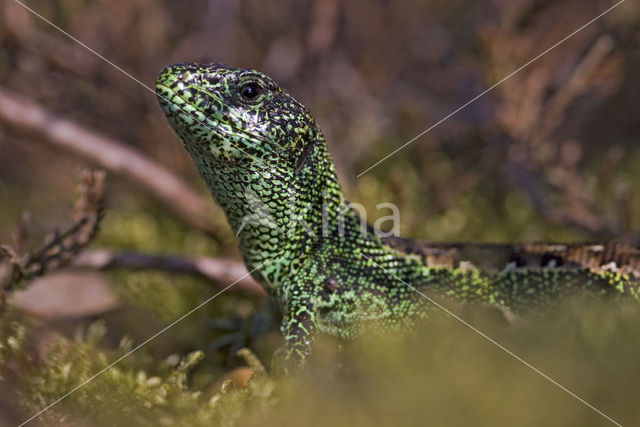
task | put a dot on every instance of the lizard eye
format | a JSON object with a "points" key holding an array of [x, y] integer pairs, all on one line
{"points": [[250, 91]]}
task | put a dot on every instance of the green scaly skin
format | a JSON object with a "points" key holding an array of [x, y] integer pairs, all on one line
{"points": [[264, 158]]}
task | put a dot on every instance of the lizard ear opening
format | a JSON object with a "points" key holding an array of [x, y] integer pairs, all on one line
{"points": [[305, 154]]}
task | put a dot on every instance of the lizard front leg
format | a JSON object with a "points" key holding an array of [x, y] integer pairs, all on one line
{"points": [[299, 327]]}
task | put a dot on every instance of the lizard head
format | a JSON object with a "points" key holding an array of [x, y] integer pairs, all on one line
{"points": [[257, 148], [234, 116]]}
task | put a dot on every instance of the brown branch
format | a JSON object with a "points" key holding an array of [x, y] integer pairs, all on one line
{"points": [[111, 154], [578, 83], [222, 271], [541, 162], [324, 25], [59, 248]]}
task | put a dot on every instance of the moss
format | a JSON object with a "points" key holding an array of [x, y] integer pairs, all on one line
{"points": [[443, 374], [152, 230], [12, 339], [100, 394]]}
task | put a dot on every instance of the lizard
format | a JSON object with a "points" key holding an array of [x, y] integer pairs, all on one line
{"points": [[266, 163]]}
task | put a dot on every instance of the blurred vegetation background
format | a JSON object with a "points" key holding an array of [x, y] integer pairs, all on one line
{"points": [[550, 154]]}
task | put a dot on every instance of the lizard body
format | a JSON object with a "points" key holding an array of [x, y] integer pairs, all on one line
{"points": [[266, 163]]}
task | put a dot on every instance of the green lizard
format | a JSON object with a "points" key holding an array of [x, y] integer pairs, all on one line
{"points": [[266, 163]]}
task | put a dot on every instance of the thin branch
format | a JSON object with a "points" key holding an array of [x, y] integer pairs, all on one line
{"points": [[68, 248], [222, 271], [532, 121], [59, 248], [111, 154], [552, 116]]}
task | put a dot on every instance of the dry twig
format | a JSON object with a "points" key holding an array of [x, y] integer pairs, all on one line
{"points": [[68, 248], [222, 271], [59, 248], [111, 154], [534, 105]]}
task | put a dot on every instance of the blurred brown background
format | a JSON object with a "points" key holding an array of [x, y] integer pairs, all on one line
{"points": [[550, 154]]}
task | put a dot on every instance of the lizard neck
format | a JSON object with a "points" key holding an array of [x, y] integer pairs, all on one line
{"points": [[283, 215], [280, 214]]}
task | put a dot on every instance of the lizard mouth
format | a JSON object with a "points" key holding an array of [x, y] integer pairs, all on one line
{"points": [[200, 118], [218, 134], [201, 108]]}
